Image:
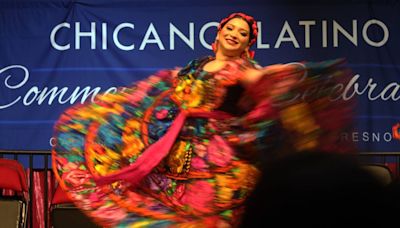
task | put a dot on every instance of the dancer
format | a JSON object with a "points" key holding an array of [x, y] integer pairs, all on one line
{"points": [[183, 148]]}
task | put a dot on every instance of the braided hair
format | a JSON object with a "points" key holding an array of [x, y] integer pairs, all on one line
{"points": [[252, 25]]}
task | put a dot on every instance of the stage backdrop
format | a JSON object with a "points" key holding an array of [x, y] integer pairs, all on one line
{"points": [[54, 54]]}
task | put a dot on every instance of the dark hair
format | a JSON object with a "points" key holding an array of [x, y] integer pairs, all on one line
{"points": [[250, 21]]}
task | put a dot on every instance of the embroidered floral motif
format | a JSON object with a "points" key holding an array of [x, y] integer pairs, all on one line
{"points": [[203, 179]]}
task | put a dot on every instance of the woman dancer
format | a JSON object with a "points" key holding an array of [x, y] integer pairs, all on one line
{"points": [[184, 148]]}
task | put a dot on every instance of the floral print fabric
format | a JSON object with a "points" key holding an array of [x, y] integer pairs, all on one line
{"points": [[202, 181]]}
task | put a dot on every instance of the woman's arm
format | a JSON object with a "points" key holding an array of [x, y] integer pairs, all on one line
{"points": [[271, 81]]}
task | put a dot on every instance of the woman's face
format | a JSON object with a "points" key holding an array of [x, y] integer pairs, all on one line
{"points": [[234, 37]]}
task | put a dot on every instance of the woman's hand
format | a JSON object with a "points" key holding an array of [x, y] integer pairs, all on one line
{"points": [[175, 71]]}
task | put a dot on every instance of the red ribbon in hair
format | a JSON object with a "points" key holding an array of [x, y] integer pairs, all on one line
{"points": [[252, 23]]}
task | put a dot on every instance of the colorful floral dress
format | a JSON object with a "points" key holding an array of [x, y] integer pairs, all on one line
{"points": [[183, 150]]}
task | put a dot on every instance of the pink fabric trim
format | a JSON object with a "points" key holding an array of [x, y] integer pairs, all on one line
{"points": [[153, 155]]}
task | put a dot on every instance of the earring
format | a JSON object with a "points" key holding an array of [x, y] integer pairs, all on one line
{"points": [[245, 54], [214, 46]]}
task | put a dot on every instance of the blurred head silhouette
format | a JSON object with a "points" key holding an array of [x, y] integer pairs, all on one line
{"points": [[316, 189]]}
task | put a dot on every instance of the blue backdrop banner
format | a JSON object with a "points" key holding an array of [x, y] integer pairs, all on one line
{"points": [[54, 54]]}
